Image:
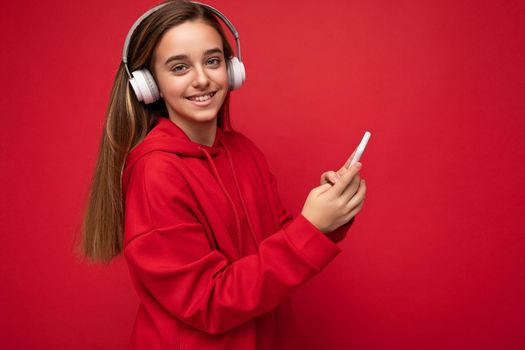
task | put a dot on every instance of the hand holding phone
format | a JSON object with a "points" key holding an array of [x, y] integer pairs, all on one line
{"points": [[332, 176], [348, 186]]}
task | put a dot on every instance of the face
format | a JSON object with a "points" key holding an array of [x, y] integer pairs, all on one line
{"points": [[191, 73]]}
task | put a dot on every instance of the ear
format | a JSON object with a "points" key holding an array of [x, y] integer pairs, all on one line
{"points": [[158, 88]]}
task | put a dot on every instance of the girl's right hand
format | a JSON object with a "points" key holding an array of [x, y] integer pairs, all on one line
{"points": [[330, 206]]}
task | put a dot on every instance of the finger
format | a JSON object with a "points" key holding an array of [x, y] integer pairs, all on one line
{"points": [[354, 211], [352, 188], [329, 177], [358, 208], [333, 176], [324, 178], [349, 160], [345, 180], [358, 198]]}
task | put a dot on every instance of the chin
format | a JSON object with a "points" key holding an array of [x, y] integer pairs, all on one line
{"points": [[203, 117]]}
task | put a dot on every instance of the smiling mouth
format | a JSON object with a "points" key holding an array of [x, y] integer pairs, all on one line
{"points": [[202, 98]]}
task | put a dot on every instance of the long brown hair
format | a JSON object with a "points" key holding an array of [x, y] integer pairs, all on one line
{"points": [[128, 121]]}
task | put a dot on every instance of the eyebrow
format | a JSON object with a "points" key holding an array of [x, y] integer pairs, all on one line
{"points": [[184, 57]]}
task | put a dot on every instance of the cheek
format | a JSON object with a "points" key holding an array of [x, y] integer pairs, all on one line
{"points": [[171, 86], [221, 76]]}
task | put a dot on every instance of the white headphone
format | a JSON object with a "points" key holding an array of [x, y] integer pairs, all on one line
{"points": [[142, 80]]}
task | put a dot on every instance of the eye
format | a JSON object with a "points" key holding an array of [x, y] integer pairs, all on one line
{"points": [[214, 61], [178, 68]]}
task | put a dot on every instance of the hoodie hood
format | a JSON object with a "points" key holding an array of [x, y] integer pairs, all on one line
{"points": [[169, 137], [166, 136]]}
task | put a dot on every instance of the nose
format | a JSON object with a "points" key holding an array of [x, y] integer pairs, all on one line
{"points": [[201, 78]]}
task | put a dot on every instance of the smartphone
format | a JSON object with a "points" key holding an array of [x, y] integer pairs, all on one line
{"points": [[360, 149]]}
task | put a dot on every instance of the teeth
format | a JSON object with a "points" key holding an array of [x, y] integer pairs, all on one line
{"points": [[201, 98]]}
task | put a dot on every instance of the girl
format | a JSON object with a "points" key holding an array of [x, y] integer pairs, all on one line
{"points": [[211, 251]]}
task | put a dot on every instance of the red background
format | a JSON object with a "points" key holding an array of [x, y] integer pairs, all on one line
{"points": [[434, 261]]}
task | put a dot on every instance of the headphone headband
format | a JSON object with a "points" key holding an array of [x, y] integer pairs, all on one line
{"points": [[150, 11]]}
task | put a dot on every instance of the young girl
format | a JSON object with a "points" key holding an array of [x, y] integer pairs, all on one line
{"points": [[213, 254]]}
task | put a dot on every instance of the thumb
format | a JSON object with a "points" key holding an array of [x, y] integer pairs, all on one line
{"points": [[329, 177], [333, 176], [320, 189]]}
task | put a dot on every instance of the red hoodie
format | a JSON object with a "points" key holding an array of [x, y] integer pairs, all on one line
{"points": [[211, 251]]}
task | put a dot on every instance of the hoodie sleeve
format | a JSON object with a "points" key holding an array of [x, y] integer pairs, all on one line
{"points": [[200, 286]]}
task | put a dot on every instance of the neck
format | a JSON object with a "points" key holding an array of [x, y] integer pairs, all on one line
{"points": [[202, 133]]}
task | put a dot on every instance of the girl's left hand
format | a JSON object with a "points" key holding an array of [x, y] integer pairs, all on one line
{"points": [[331, 176]]}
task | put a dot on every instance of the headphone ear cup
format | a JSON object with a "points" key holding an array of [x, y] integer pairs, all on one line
{"points": [[144, 86], [236, 73]]}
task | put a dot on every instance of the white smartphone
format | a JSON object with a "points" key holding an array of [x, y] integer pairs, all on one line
{"points": [[360, 149]]}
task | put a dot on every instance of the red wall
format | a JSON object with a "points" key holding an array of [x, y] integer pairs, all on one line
{"points": [[434, 261]]}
